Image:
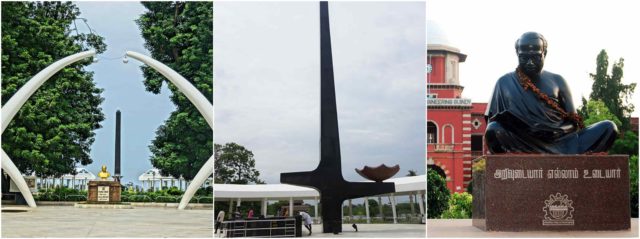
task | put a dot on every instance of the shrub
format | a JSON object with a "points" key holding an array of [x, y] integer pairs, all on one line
{"points": [[460, 206], [437, 195]]}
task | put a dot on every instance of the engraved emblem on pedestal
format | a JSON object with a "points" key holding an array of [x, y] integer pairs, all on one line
{"points": [[558, 211]]}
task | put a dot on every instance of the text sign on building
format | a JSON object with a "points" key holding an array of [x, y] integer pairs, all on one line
{"points": [[448, 102], [103, 193]]}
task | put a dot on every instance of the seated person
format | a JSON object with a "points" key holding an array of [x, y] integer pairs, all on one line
{"points": [[531, 110]]}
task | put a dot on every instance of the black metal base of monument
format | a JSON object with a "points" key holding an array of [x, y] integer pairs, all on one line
{"points": [[334, 190]]}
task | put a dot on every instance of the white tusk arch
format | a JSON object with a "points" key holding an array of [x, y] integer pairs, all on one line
{"points": [[14, 104], [202, 104], [191, 92]]}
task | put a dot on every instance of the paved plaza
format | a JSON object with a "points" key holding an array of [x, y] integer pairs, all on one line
{"points": [[368, 231], [67, 221], [463, 228]]}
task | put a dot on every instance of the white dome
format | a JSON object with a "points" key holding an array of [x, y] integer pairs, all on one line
{"points": [[436, 35]]}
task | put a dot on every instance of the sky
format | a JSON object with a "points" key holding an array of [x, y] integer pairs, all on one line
{"points": [[487, 30], [267, 83], [142, 111]]}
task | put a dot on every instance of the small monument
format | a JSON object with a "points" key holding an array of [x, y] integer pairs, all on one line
{"points": [[104, 191], [546, 171]]}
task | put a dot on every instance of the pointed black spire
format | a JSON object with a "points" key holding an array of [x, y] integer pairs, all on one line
{"points": [[327, 177]]}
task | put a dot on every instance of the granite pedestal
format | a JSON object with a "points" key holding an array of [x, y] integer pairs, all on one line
{"points": [[104, 192], [551, 192]]}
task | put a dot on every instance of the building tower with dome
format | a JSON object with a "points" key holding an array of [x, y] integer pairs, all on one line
{"points": [[455, 125]]}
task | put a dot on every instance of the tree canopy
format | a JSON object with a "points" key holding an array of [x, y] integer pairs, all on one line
{"points": [[180, 35], [596, 111], [235, 164], [609, 88], [53, 131]]}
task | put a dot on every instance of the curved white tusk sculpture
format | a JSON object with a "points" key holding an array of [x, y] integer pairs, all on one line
{"points": [[202, 104], [14, 104]]}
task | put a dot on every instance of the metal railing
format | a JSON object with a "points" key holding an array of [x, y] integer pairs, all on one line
{"points": [[285, 227]]}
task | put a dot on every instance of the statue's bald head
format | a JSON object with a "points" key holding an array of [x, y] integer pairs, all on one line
{"points": [[531, 41], [531, 48]]}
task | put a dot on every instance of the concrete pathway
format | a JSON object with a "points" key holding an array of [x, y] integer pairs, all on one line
{"points": [[463, 228], [65, 221]]}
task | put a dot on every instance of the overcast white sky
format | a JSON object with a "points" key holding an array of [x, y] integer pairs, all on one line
{"points": [[576, 32], [267, 80]]}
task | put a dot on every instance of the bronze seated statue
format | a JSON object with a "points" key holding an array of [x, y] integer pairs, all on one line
{"points": [[531, 110]]}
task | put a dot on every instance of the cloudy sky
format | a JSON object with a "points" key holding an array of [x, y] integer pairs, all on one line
{"points": [[267, 79], [487, 30], [142, 111]]}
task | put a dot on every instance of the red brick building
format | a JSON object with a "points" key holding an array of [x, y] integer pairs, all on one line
{"points": [[455, 125]]}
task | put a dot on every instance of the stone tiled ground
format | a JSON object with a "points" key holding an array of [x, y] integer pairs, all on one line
{"points": [[67, 221]]}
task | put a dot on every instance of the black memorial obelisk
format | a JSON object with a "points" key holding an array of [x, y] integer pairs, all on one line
{"points": [[327, 177], [117, 174]]}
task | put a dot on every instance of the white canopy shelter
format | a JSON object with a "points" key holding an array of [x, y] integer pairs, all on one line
{"points": [[264, 192]]}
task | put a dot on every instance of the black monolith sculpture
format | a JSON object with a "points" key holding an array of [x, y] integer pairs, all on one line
{"points": [[117, 174], [327, 177]]}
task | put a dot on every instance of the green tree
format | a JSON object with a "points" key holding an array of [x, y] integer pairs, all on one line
{"points": [[234, 164], [460, 206], [53, 131], [437, 195], [180, 35], [609, 88], [627, 144], [596, 111], [633, 178]]}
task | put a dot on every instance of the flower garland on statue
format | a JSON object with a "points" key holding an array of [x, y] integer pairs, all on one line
{"points": [[526, 83]]}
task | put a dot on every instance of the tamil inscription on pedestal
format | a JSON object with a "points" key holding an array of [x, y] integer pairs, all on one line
{"points": [[551, 192], [104, 192]]}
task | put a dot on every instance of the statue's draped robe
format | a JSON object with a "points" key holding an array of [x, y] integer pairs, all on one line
{"points": [[520, 122]]}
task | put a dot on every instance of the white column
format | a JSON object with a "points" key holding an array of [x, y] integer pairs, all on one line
{"points": [[366, 208], [315, 208], [393, 207], [264, 206], [291, 206], [238, 202], [230, 212], [419, 199], [350, 210]]}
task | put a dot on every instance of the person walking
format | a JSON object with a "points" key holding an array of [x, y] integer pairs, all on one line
{"points": [[219, 221], [307, 220]]}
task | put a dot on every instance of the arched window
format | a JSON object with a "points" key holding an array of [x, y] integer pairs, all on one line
{"points": [[432, 133], [448, 134]]}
